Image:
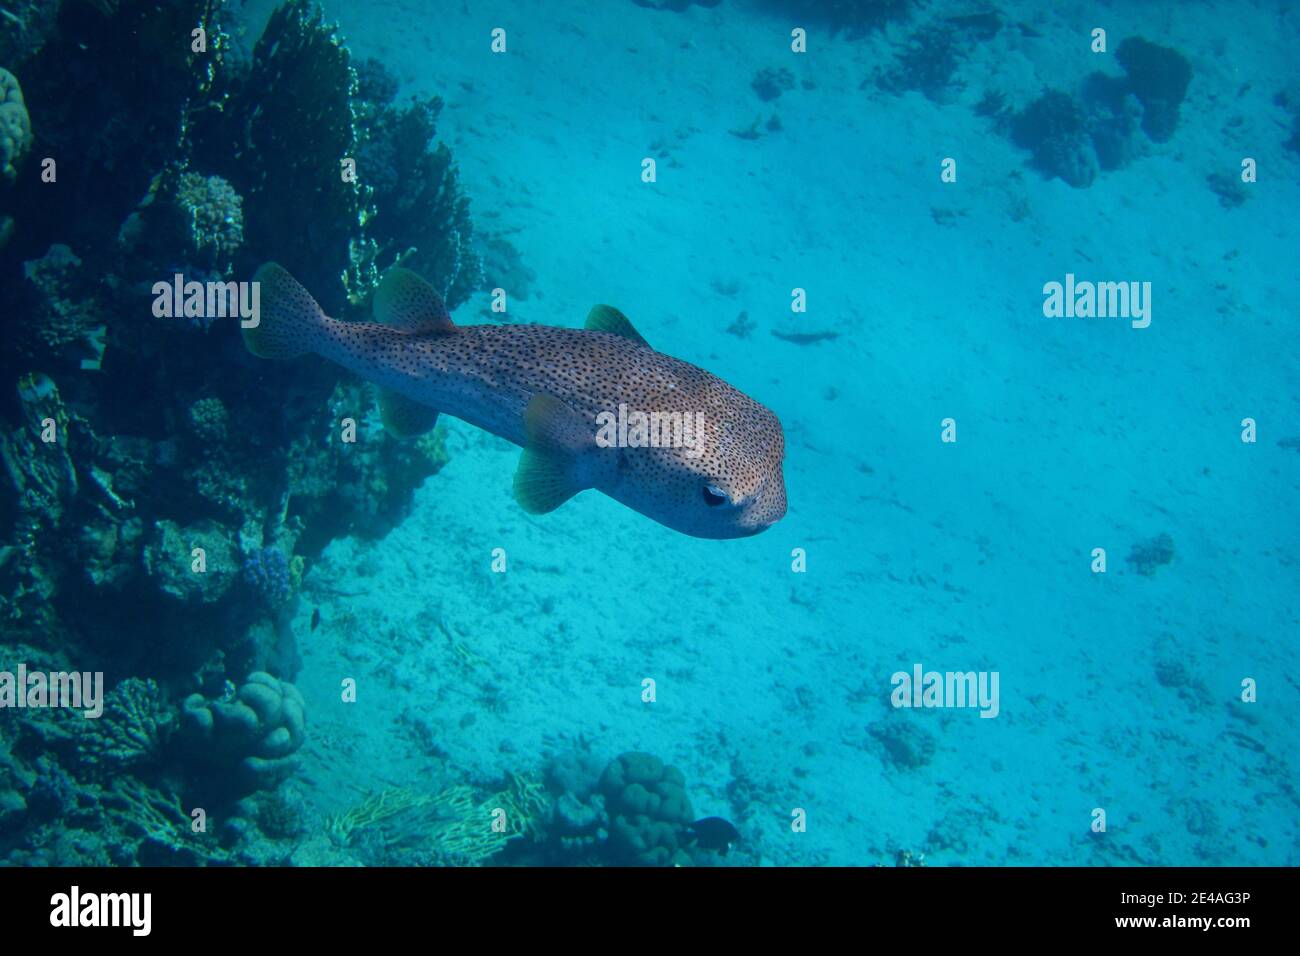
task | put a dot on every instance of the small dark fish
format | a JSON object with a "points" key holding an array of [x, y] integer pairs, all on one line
{"points": [[805, 338], [714, 833], [315, 618]]}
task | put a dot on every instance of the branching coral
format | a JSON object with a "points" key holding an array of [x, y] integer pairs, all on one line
{"points": [[293, 124], [42, 480], [365, 488], [266, 571], [421, 216], [216, 218], [133, 729], [447, 828], [122, 111], [374, 810], [62, 318], [156, 826]]}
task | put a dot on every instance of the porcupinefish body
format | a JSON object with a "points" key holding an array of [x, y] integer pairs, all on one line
{"points": [[563, 395]]}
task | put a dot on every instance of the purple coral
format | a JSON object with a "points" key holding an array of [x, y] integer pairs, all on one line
{"points": [[267, 572]]}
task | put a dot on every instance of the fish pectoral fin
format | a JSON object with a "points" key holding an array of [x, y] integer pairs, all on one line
{"points": [[405, 301], [544, 481], [551, 468], [404, 417], [606, 318]]}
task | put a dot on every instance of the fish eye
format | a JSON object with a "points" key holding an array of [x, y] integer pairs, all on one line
{"points": [[714, 496]]}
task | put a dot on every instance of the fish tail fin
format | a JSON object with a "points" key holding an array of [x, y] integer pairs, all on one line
{"points": [[289, 319]]}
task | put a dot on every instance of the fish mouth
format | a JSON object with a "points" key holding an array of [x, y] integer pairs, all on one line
{"points": [[749, 530]]}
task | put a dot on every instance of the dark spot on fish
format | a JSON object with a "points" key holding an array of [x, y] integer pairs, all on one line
{"points": [[315, 618]]}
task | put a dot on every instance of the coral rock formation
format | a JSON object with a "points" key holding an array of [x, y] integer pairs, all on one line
{"points": [[648, 810], [1159, 77], [246, 743], [15, 126]]}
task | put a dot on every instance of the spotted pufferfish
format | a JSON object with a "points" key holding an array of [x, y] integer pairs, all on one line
{"points": [[546, 389]]}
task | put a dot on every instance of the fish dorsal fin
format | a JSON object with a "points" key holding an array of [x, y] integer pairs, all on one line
{"points": [[405, 417], [550, 468], [606, 318], [405, 301]]}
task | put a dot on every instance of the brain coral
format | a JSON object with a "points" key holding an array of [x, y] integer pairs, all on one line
{"points": [[648, 810], [15, 127], [248, 742]]}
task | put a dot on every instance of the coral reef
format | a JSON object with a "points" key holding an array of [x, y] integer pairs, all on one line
{"points": [[1113, 116], [852, 18], [631, 811], [167, 560], [1148, 555], [1176, 669], [421, 217], [27, 24], [1159, 77], [1232, 192], [771, 82], [15, 126], [214, 214], [298, 207], [247, 743], [1054, 129], [934, 51], [648, 811], [59, 319], [579, 826], [450, 827], [926, 64], [134, 729], [266, 571], [903, 742], [109, 515], [1076, 136], [123, 112], [504, 267]]}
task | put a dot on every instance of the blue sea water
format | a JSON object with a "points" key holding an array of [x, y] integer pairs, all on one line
{"points": [[954, 457]]}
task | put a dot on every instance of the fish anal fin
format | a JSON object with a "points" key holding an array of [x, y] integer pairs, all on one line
{"points": [[404, 417], [406, 302], [606, 318]]}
